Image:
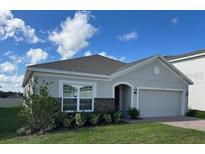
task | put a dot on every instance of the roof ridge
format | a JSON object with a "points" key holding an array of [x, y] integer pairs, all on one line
{"points": [[76, 58], [134, 62], [186, 54]]}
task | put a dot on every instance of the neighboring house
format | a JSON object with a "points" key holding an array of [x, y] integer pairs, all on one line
{"points": [[193, 65], [14, 95], [97, 83], [13, 100]]}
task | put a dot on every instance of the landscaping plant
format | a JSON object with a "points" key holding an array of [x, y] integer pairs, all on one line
{"points": [[107, 118], [39, 108], [116, 116], [133, 113], [80, 119], [191, 112], [68, 120], [94, 118]]}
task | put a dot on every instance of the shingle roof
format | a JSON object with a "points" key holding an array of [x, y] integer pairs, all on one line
{"points": [[172, 57], [95, 64], [132, 63]]}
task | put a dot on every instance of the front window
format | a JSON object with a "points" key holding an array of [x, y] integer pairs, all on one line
{"points": [[77, 97], [86, 97]]}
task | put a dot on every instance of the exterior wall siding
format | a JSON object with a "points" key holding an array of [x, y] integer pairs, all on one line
{"points": [[194, 69]]}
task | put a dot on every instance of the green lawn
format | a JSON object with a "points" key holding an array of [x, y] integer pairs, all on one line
{"points": [[10, 121], [200, 114], [122, 133]]}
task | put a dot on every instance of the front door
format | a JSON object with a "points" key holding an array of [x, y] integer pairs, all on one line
{"points": [[117, 98]]}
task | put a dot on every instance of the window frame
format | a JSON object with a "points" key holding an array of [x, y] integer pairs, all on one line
{"points": [[77, 85]]}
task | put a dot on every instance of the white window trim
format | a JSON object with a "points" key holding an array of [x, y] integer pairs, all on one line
{"points": [[62, 82]]}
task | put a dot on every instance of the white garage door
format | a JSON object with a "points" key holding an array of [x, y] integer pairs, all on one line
{"points": [[159, 103]]}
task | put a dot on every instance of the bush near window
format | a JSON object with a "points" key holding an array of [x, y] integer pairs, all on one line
{"points": [[94, 118], [133, 113], [40, 109], [43, 113], [64, 120], [80, 119], [68, 121]]}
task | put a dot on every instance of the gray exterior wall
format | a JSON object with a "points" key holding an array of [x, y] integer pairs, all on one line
{"points": [[143, 77]]}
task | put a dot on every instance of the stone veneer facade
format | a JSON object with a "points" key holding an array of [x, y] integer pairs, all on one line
{"points": [[104, 104]]}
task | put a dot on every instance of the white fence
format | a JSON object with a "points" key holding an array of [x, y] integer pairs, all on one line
{"points": [[10, 102]]}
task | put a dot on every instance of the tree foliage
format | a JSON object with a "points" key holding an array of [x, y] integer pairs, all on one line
{"points": [[39, 108]]}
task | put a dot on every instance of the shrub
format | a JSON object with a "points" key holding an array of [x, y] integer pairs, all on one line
{"points": [[40, 109], [94, 118], [59, 118], [68, 120], [80, 119], [200, 114], [133, 113], [191, 112], [64, 120], [24, 131], [116, 116], [107, 118]]}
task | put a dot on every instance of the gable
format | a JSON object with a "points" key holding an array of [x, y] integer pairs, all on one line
{"points": [[155, 70]]}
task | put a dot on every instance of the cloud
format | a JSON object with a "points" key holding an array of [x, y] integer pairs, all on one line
{"points": [[74, 34], [14, 57], [11, 82], [102, 53], [110, 56], [87, 53], [7, 53], [11, 27], [175, 21], [7, 67], [36, 55], [128, 36]]}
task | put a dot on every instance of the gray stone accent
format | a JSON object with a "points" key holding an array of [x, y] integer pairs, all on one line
{"points": [[104, 104]]}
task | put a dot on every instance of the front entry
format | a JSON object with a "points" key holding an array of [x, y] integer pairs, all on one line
{"points": [[122, 98]]}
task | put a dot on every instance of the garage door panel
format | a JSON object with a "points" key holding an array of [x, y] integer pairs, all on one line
{"points": [[158, 103]]}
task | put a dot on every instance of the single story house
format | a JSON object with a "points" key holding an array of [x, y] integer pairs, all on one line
{"points": [[97, 83], [193, 65]]}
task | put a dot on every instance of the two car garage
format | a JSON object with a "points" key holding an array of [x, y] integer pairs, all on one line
{"points": [[160, 102]]}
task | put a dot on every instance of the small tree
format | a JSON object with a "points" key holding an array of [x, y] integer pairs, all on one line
{"points": [[39, 108]]}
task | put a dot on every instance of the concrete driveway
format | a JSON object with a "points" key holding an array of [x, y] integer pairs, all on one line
{"points": [[194, 123], [184, 122]]}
